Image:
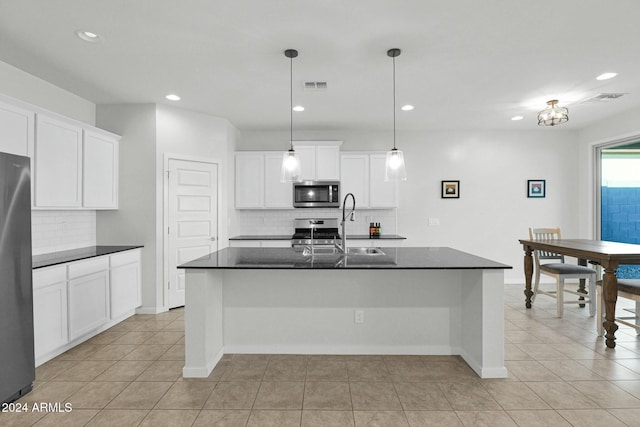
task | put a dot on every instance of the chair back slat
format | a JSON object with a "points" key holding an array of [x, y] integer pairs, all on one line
{"points": [[546, 234]]}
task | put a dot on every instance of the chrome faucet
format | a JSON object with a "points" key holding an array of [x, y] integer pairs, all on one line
{"points": [[343, 223]]}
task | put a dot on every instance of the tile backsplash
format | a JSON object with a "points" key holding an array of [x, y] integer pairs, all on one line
{"points": [[280, 221], [61, 230]]}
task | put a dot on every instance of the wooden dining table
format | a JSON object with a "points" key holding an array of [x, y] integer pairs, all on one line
{"points": [[609, 255]]}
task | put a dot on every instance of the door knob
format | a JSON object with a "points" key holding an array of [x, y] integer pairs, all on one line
{"points": [[213, 239]]}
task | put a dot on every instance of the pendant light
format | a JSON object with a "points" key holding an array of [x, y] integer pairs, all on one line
{"points": [[394, 166], [553, 114], [290, 162]]}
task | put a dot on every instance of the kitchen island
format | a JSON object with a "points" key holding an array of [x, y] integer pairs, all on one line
{"points": [[438, 301]]}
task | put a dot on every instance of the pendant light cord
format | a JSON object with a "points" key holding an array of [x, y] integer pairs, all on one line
{"points": [[291, 103], [394, 102]]}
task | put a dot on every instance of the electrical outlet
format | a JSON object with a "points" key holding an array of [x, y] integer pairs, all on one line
{"points": [[359, 316], [434, 222]]}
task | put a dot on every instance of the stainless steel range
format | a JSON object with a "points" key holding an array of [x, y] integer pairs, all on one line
{"points": [[315, 232]]}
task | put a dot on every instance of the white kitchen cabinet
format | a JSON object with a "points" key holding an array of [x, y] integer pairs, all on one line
{"points": [[319, 160], [58, 164], [124, 283], [374, 243], [249, 182], [16, 130], [362, 173], [49, 309], [88, 295], [266, 243], [99, 171], [276, 194]]}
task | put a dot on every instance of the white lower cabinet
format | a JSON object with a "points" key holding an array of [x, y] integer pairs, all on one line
{"points": [[75, 301], [49, 309], [269, 243]]}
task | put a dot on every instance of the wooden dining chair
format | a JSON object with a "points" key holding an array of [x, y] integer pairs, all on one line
{"points": [[627, 288], [552, 264]]}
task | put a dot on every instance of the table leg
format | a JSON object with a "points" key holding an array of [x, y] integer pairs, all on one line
{"points": [[581, 286], [528, 274], [610, 290]]}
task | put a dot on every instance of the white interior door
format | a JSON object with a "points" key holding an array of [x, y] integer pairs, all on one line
{"points": [[192, 219]]}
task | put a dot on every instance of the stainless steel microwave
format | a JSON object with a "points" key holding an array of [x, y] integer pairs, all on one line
{"points": [[316, 194]]}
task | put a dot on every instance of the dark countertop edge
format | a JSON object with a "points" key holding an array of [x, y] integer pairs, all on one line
{"points": [[361, 267], [56, 258], [288, 237]]}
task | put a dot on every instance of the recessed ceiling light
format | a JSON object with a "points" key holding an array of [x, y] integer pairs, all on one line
{"points": [[606, 76], [407, 107], [172, 97], [89, 36], [298, 108], [516, 118]]}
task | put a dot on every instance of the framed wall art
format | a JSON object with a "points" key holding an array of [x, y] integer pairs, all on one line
{"points": [[450, 189], [536, 188]]}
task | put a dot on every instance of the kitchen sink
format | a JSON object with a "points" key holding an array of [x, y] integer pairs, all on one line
{"points": [[364, 251]]}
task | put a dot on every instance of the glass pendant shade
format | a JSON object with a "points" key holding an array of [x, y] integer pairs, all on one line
{"points": [[553, 114], [290, 167], [394, 166]]}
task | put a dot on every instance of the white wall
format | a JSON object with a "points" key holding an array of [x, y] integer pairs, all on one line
{"points": [[493, 211], [28, 88]]}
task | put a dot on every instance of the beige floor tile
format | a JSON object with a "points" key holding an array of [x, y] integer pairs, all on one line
{"points": [[373, 369], [79, 352], [449, 370], [570, 370], [606, 394], [468, 396], [53, 368], [186, 395], [485, 419], [57, 391], [84, 370], [274, 419], [577, 351], [286, 370], [124, 370], [140, 395], [530, 370], [176, 325], [513, 352], [222, 418], [409, 370], [96, 395], [165, 337], [561, 395], [175, 352], [610, 369], [327, 395], [111, 352], [233, 395], [327, 419], [421, 396], [630, 417], [433, 419], [380, 419], [120, 418], [245, 370], [632, 387], [134, 337], [20, 419], [374, 396], [327, 369], [73, 418], [147, 352], [633, 364], [541, 351], [515, 395], [162, 370], [280, 395], [170, 418], [150, 325], [538, 418], [590, 418]]}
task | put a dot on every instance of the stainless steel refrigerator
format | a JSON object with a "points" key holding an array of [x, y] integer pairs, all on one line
{"points": [[17, 363]]}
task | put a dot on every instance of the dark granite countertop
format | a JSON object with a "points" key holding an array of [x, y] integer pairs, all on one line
{"points": [[55, 258], [436, 258], [288, 237]]}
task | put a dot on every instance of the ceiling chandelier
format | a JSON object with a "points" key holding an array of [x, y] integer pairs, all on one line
{"points": [[553, 114], [394, 165], [290, 162]]}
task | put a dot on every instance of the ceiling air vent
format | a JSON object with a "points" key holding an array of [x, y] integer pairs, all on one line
{"points": [[315, 86], [603, 97]]}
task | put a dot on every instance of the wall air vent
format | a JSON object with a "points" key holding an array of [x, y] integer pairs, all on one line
{"points": [[315, 86], [602, 97]]}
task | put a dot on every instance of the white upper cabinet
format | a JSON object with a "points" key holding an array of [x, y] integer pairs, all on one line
{"points": [[249, 180], [16, 130], [319, 160], [276, 194], [99, 171], [362, 173], [58, 164]]}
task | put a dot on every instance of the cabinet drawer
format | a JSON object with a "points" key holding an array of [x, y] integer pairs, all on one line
{"points": [[82, 268], [124, 258], [46, 276]]}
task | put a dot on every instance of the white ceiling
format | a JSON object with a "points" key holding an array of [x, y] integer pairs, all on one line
{"points": [[466, 64]]}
